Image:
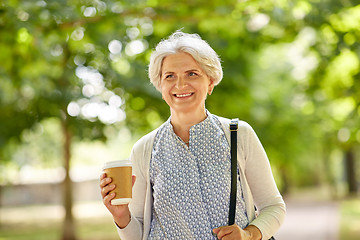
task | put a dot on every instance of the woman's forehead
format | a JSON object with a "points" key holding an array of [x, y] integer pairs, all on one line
{"points": [[179, 62]]}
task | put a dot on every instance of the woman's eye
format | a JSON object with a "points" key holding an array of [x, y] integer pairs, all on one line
{"points": [[192, 74], [169, 76]]}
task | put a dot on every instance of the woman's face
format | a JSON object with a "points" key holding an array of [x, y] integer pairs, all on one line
{"points": [[184, 85]]}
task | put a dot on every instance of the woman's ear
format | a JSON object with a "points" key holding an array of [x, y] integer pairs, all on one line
{"points": [[210, 91], [211, 86]]}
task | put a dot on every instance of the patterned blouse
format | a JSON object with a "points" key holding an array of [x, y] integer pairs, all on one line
{"points": [[191, 184]]}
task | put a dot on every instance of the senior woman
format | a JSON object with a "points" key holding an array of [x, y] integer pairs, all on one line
{"points": [[181, 170]]}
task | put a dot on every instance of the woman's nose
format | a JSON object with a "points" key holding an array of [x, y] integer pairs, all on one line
{"points": [[181, 83]]}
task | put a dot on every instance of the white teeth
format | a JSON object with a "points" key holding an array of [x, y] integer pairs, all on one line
{"points": [[183, 95]]}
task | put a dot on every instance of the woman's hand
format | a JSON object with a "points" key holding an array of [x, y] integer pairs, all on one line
{"points": [[236, 233], [120, 213]]}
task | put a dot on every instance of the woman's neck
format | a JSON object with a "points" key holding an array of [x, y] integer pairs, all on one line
{"points": [[183, 121]]}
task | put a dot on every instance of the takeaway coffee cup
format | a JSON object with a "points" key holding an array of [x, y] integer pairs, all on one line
{"points": [[121, 174]]}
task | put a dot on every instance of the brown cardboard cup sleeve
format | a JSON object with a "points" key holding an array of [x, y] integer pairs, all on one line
{"points": [[121, 173]]}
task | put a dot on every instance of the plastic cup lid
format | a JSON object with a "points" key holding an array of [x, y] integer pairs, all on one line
{"points": [[118, 163]]}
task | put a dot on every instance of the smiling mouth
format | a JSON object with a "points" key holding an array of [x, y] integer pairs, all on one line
{"points": [[183, 95]]}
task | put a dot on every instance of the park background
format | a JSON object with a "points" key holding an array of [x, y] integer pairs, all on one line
{"points": [[74, 94]]}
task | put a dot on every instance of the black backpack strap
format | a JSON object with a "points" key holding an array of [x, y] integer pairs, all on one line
{"points": [[233, 147]]}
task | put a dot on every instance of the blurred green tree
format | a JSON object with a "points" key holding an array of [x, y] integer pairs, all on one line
{"points": [[66, 61], [334, 86]]}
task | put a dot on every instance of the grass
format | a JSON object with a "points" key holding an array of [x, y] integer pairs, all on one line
{"points": [[98, 229], [44, 222], [350, 219], [86, 229], [30, 231]]}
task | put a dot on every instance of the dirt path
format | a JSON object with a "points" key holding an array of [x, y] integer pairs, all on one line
{"points": [[310, 221]]}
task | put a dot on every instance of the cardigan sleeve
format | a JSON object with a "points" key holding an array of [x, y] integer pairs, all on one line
{"points": [[266, 195]]}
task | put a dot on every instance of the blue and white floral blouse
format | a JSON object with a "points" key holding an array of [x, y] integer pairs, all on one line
{"points": [[191, 184]]}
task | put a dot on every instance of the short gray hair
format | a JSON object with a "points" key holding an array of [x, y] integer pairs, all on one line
{"points": [[192, 44]]}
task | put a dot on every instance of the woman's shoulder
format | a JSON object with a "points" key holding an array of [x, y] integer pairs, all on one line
{"points": [[147, 141], [226, 121], [141, 151]]}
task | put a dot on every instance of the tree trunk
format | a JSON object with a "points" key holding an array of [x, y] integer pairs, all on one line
{"points": [[0, 204], [330, 178], [68, 224], [350, 171], [285, 187]]}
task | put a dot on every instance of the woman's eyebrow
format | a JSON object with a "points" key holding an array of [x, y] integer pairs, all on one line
{"points": [[187, 71], [165, 73], [192, 70]]}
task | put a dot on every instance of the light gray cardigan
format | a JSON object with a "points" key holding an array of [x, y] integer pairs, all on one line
{"points": [[257, 182]]}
